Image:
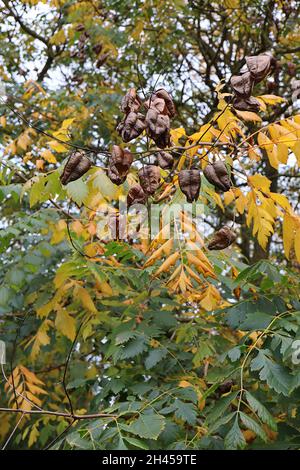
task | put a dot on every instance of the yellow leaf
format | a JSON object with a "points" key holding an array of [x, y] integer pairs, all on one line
{"points": [[228, 197], [58, 38], [66, 123], [176, 134], [253, 154], [23, 140], [269, 147], [3, 121], [41, 338], [57, 146], [184, 384], [260, 182], [288, 229], [83, 295], [248, 116], [65, 323], [167, 263], [271, 99], [296, 150], [282, 153], [34, 433], [48, 156], [297, 244]]}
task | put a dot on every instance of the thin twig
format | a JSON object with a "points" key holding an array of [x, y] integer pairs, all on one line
{"points": [[13, 432]]}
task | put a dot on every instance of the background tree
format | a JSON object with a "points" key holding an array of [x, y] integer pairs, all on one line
{"points": [[108, 346]]}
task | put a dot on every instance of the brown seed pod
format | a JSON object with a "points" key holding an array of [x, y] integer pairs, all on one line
{"points": [[242, 84], [163, 140], [162, 93], [131, 102], [189, 183], [165, 160], [149, 177], [222, 239], [158, 127], [77, 165], [246, 104], [157, 123], [132, 126], [260, 65], [80, 27], [156, 103], [216, 173], [136, 195], [102, 59], [97, 48], [119, 164]]}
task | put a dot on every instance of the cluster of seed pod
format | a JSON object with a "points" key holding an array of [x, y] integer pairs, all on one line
{"points": [[82, 46], [155, 119], [156, 122], [256, 69], [190, 180]]}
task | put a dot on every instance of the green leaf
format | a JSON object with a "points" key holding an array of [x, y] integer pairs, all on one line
{"points": [[136, 442], [295, 382], [220, 422], [4, 295], [234, 354], [185, 411], [134, 347], [256, 321], [36, 191], [121, 444], [154, 357], [261, 411], [254, 426], [77, 191], [124, 336], [103, 184], [220, 407], [148, 426], [234, 439], [277, 377]]}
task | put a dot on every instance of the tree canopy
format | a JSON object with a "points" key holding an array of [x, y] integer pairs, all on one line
{"points": [[150, 225]]}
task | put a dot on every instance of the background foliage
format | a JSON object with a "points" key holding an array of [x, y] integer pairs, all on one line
{"points": [[103, 352]]}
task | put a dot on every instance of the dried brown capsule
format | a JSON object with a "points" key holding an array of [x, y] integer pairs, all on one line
{"points": [[158, 127], [162, 93], [216, 173], [242, 84], [165, 160], [119, 164], [157, 104], [157, 123], [222, 239], [149, 177], [77, 165], [132, 126], [80, 27], [136, 195], [189, 183], [102, 59], [163, 140], [260, 65], [246, 104], [97, 48], [131, 102]]}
